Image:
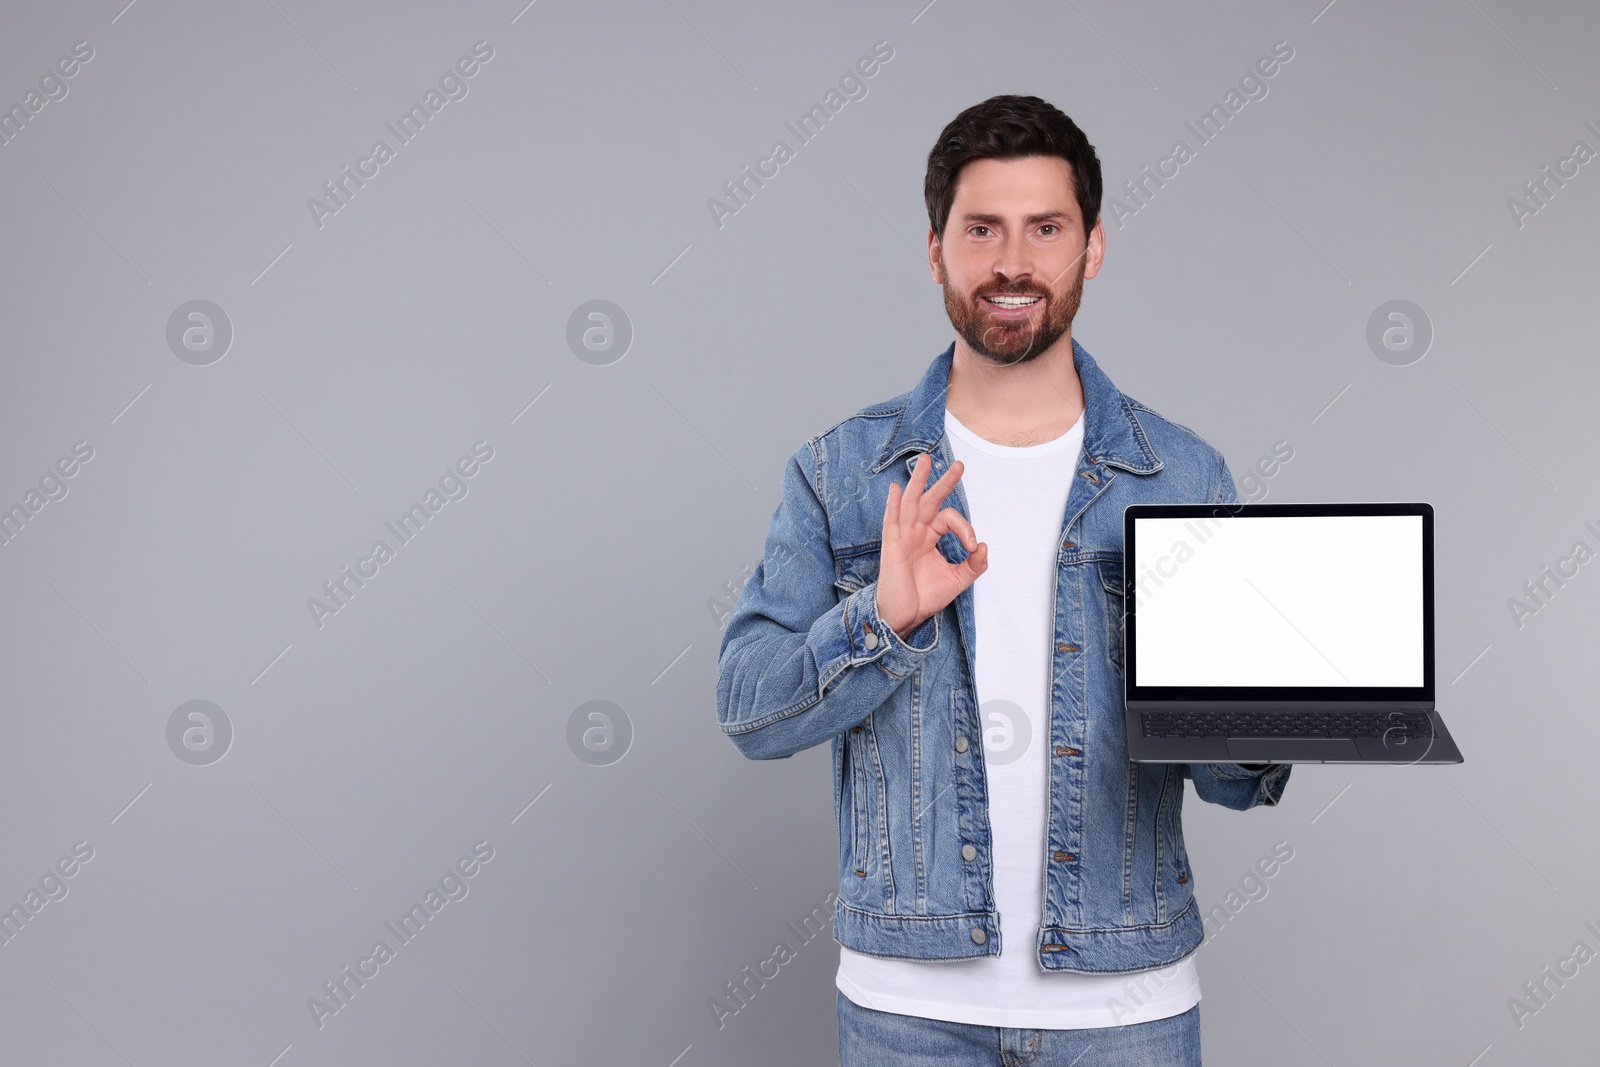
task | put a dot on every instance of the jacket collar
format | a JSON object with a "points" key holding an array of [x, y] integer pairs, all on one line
{"points": [[1111, 432]]}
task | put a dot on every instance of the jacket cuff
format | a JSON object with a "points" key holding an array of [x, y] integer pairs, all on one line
{"points": [[1269, 787], [1272, 782], [1270, 779], [1235, 771], [871, 640]]}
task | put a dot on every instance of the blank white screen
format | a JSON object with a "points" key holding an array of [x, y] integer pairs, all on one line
{"points": [[1274, 600]]}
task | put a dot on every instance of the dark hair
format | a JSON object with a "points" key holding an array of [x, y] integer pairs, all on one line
{"points": [[1010, 127]]}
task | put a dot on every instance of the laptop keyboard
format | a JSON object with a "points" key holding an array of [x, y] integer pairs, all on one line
{"points": [[1393, 724]]}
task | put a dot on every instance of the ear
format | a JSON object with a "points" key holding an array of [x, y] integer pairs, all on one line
{"points": [[1095, 253], [933, 257]]}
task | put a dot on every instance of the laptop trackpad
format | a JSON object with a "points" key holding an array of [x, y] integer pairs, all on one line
{"points": [[1283, 749]]}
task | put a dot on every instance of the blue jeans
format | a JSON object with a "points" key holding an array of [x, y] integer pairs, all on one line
{"points": [[869, 1038]]}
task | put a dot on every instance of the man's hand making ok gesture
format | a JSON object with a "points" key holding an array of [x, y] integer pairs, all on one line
{"points": [[915, 582]]}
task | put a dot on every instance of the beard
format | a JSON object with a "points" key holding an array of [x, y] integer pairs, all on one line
{"points": [[1018, 341]]}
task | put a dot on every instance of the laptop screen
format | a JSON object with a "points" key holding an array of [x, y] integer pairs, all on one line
{"points": [[1278, 597]]}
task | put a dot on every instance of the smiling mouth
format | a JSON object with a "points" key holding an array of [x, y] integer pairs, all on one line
{"points": [[1011, 303]]}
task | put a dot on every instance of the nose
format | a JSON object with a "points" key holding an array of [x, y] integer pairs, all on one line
{"points": [[1013, 262]]}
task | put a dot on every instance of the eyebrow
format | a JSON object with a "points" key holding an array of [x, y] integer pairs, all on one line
{"points": [[1043, 216]]}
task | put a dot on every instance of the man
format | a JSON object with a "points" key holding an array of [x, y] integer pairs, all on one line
{"points": [[1012, 888]]}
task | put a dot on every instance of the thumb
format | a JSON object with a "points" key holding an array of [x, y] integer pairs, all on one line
{"points": [[977, 560]]}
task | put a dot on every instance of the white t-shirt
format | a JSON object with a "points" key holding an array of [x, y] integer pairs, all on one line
{"points": [[1017, 500]]}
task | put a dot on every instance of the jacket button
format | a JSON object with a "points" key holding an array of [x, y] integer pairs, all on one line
{"points": [[961, 744], [872, 640], [1063, 750], [1062, 646], [968, 852], [1183, 877], [855, 729], [1060, 856], [978, 936], [1068, 544]]}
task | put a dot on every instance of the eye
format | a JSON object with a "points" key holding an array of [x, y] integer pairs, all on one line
{"points": [[1049, 226], [976, 228]]}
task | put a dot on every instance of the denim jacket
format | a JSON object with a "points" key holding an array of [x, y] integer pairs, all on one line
{"points": [[805, 659]]}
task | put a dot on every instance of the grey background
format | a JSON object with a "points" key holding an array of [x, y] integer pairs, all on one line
{"points": [[433, 710]]}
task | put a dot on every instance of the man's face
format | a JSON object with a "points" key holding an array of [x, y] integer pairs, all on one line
{"points": [[1014, 231]]}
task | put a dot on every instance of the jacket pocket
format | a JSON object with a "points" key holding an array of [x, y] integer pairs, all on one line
{"points": [[855, 764], [838, 778], [1111, 585], [855, 567], [1172, 882]]}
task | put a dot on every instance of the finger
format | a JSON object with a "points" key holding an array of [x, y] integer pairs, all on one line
{"points": [[957, 523], [928, 503], [891, 515], [977, 561], [911, 520], [946, 522], [915, 484]]}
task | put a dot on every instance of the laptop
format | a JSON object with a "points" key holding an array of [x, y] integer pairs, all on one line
{"points": [[1280, 633]]}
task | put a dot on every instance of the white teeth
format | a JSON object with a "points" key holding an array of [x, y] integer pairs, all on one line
{"points": [[1013, 301]]}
